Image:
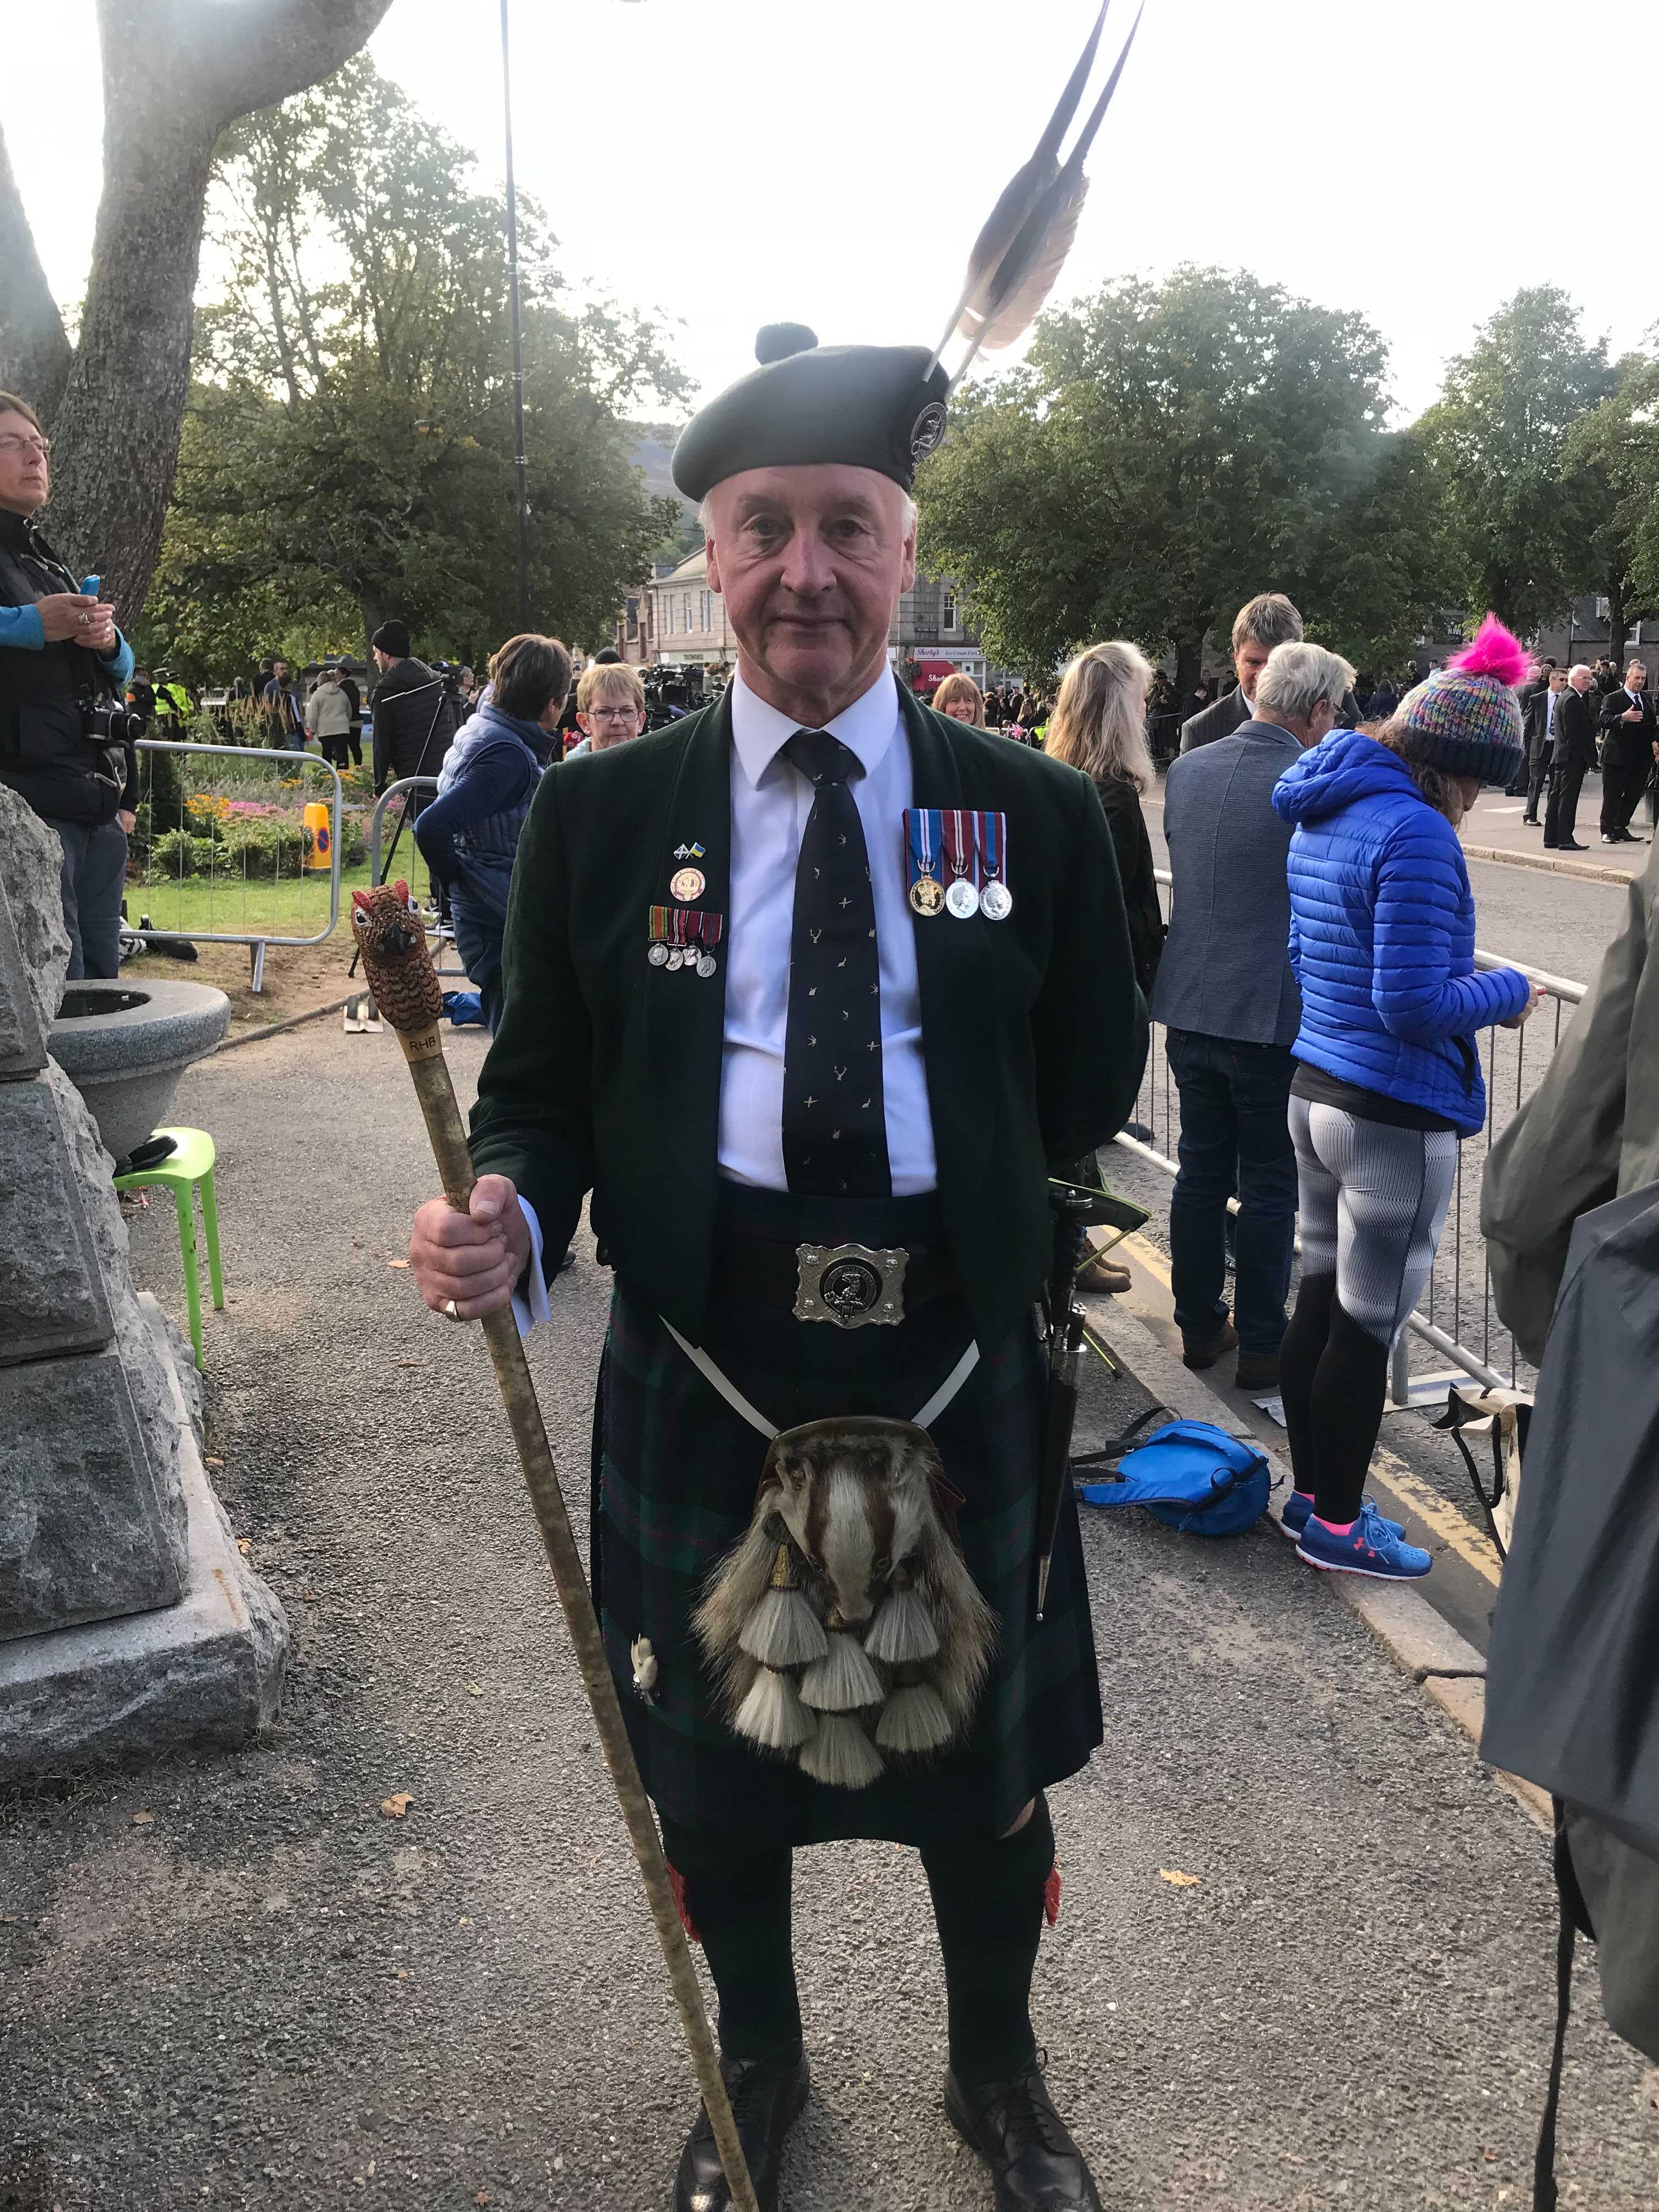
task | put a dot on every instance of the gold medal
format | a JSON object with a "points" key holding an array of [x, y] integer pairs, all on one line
{"points": [[925, 895]]}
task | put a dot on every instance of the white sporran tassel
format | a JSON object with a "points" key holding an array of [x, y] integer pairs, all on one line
{"points": [[783, 1631], [841, 1755], [772, 1714], [914, 1719], [843, 1679], [903, 1630]]}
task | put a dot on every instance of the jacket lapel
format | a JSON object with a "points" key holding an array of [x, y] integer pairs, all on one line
{"points": [[686, 1014], [950, 974]]}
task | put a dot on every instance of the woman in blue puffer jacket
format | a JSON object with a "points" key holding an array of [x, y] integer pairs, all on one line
{"points": [[1383, 943]]}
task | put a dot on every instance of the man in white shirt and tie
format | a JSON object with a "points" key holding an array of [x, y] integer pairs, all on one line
{"points": [[1539, 735], [1630, 745], [811, 991]]}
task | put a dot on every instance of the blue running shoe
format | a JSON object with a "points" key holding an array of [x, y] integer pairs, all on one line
{"points": [[1299, 1506], [1371, 1547]]}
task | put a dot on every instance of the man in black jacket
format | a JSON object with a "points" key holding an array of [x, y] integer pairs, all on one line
{"points": [[413, 720], [1260, 623], [63, 668], [1630, 745], [811, 990], [1573, 756]]}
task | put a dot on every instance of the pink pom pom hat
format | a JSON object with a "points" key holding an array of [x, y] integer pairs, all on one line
{"points": [[1467, 712]]}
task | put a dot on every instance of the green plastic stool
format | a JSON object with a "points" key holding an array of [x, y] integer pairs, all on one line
{"points": [[190, 1163]]}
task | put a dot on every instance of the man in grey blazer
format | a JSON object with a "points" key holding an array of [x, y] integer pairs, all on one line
{"points": [[1229, 1001]]}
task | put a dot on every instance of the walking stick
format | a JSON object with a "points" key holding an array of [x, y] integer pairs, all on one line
{"points": [[406, 988]]}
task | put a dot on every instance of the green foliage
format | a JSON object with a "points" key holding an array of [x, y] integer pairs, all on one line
{"points": [[1167, 452], [347, 453], [1522, 525], [1611, 454]]}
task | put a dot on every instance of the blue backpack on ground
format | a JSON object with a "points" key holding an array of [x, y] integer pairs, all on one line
{"points": [[1193, 1475]]}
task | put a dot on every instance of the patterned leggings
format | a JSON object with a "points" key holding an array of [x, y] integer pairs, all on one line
{"points": [[1373, 1201]]}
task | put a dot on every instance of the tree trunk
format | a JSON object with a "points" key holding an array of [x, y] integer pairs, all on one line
{"points": [[116, 435], [175, 73], [1618, 621], [34, 354], [1190, 665]]}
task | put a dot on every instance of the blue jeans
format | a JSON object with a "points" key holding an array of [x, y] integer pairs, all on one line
{"points": [[1235, 1140], [479, 924], [94, 877]]}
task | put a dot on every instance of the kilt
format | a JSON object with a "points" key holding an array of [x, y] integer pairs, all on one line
{"points": [[675, 1473]]}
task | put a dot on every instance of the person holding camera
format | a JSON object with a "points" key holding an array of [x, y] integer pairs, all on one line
{"points": [[65, 734]]}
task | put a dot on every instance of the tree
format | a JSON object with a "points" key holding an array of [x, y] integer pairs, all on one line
{"points": [[1522, 524], [176, 73], [347, 453], [1610, 457], [1166, 452]]}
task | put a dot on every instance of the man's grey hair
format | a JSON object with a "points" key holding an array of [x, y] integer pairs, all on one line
{"points": [[706, 518], [1296, 679], [1580, 668], [1268, 619]]}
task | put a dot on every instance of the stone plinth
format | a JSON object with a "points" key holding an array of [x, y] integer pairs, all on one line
{"points": [[127, 1617]]}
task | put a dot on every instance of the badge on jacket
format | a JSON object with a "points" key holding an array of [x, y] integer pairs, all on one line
{"points": [[959, 862]]}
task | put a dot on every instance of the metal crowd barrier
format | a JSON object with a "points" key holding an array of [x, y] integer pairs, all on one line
{"points": [[1452, 1299], [213, 844], [440, 935]]}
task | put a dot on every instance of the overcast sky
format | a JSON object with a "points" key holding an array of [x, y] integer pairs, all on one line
{"points": [[732, 162]]}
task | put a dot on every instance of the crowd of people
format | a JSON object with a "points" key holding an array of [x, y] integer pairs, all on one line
{"points": [[1577, 721]]}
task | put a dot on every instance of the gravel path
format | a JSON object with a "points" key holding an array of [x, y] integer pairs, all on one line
{"points": [[232, 1981]]}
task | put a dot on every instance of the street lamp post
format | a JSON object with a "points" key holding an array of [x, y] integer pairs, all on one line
{"points": [[520, 464]]}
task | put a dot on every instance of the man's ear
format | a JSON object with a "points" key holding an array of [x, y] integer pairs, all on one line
{"points": [[908, 568], [712, 554]]}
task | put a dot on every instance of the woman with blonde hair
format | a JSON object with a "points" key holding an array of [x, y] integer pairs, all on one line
{"points": [[961, 698], [1099, 724]]}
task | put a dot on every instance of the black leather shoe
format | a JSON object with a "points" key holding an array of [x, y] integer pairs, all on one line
{"points": [[766, 2101], [1034, 2164]]}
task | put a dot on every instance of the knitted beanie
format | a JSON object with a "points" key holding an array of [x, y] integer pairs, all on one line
{"points": [[1467, 712]]}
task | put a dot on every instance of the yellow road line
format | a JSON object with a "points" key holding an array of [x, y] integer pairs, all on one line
{"points": [[1393, 1477]]}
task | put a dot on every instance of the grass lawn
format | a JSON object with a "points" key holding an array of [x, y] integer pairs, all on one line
{"points": [[294, 907]]}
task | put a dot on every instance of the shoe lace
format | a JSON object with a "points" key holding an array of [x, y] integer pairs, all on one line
{"points": [[1027, 2115]]}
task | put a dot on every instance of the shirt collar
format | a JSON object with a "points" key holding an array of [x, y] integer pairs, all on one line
{"points": [[867, 728]]}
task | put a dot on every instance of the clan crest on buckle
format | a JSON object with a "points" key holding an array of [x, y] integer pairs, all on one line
{"points": [[850, 1284]]}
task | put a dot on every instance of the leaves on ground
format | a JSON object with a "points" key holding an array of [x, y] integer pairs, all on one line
{"points": [[394, 1806], [245, 1544], [1177, 1880], [396, 1263], [144, 1819]]}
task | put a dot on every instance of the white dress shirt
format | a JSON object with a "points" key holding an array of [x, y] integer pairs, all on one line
{"points": [[770, 803], [771, 800]]}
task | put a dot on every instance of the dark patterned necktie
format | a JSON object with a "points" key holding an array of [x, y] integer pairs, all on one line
{"points": [[835, 1125]]}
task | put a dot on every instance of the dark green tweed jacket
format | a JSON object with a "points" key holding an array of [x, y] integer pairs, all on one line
{"points": [[605, 1072]]}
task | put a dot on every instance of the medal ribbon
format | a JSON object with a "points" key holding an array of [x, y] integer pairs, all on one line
{"points": [[708, 927], [922, 830], [962, 842], [993, 841], [659, 925]]}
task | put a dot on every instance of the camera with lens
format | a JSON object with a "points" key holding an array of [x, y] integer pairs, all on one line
{"points": [[108, 722]]}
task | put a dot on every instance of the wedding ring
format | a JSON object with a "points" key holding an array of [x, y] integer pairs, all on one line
{"points": [[85, 621], [450, 1310]]}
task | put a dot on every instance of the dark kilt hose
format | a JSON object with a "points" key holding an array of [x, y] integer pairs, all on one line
{"points": [[605, 1072]]}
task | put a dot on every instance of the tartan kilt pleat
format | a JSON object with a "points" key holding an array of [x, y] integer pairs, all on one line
{"points": [[674, 1472]]}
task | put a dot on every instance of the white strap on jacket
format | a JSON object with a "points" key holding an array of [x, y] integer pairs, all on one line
{"points": [[734, 1397]]}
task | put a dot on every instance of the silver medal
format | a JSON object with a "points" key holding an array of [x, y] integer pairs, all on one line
{"points": [[676, 959], [962, 898], [706, 964], [995, 902], [658, 955]]}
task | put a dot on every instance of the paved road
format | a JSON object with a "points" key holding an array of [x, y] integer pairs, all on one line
{"points": [[269, 1996]]}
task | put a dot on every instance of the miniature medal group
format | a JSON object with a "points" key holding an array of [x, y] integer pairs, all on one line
{"points": [[684, 936], [959, 862]]}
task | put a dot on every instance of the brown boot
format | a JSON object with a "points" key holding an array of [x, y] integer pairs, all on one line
{"points": [[1198, 1352], [1102, 1273]]}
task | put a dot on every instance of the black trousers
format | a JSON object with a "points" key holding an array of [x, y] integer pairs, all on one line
{"points": [[1621, 787], [1561, 814], [1537, 778]]}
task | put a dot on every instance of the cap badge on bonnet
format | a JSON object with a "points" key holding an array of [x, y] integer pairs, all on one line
{"points": [[882, 408]]}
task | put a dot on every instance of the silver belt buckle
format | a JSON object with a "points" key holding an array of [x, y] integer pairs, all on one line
{"points": [[850, 1284]]}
